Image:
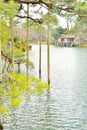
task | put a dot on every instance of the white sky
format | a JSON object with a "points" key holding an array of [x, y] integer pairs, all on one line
{"points": [[62, 22]]}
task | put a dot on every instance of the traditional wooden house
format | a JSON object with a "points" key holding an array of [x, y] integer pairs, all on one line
{"points": [[66, 40]]}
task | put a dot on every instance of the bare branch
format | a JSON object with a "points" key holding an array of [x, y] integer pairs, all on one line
{"points": [[40, 21], [66, 9]]}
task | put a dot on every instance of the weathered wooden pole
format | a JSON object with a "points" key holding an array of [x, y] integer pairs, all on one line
{"points": [[19, 68], [12, 46], [1, 126], [27, 67], [0, 53], [40, 51], [48, 48], [4, 66], [0, 62]]}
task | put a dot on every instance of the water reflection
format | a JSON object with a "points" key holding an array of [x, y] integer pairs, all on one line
{"points": [[64, 107]]}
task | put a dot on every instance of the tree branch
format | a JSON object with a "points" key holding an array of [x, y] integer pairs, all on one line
{"points": [[66, 9], [40, 21], [34, 2]]}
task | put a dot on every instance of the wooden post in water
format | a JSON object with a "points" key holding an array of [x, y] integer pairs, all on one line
{"points": [[19, 68], [40, 51], [27, 67], [48, 48]]}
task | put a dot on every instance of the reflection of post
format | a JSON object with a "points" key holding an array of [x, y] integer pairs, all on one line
{"points": [[0, 54], [1, 126], [40, 52], [47, 108], [48, 49], [27, 67], [13, 119]]}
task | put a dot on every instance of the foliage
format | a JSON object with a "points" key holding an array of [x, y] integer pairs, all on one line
{"points": [[57, 32], [72, 31], [17, 88], [81, 22], [52, 18], [8, 9], [81, 9], [19, 56], [4, 31]]}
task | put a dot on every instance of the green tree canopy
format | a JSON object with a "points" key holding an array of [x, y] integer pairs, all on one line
{"points": [[57, 32]]}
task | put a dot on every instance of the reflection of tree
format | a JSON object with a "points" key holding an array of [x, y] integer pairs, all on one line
{"points": [[13, 120]]}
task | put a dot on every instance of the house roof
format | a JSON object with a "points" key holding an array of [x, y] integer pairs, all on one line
{"points": [[67, 36]]}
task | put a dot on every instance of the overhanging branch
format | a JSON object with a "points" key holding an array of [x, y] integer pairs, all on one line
{"points": [[66, 9], [33, 2], [40, 21]]}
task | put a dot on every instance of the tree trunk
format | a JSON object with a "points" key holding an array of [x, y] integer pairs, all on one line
{"points": [[4, 67], [12, 46], [27, 67], [18, 68], [40, 51], [48, 49], [0, 55], [0, 63]]}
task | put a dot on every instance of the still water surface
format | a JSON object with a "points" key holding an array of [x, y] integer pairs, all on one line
{"points": [[65, 106]]}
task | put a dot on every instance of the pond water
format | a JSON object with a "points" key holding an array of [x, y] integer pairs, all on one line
{"points": [[64, 107]]}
